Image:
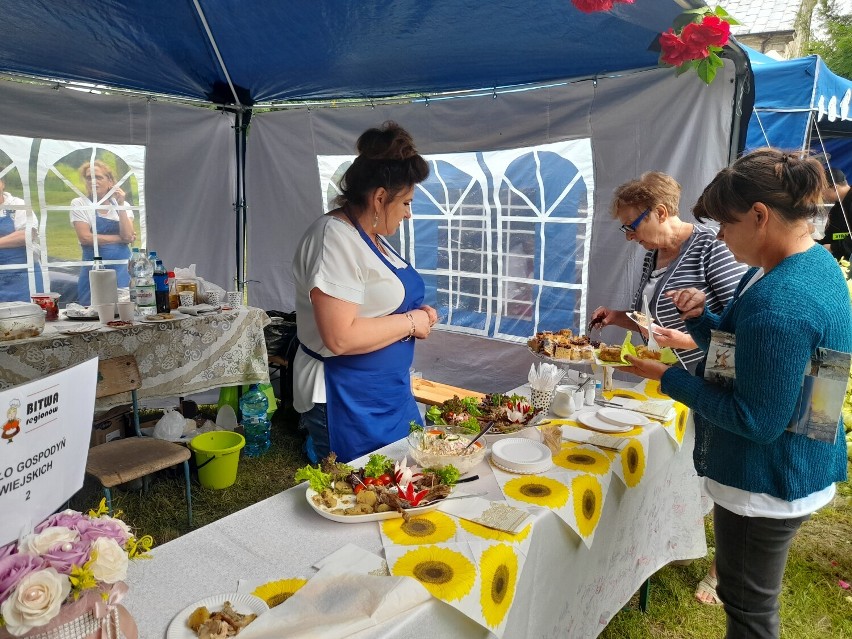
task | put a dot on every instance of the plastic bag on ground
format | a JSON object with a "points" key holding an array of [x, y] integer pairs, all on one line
{"points": [[170, 426]]}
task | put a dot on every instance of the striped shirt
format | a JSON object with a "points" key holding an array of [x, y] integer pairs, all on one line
{"points": [[704, 263]]}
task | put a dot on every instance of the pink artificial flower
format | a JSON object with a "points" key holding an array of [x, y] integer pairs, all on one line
{"points": [[92, 529], [15, 567], [63, 556], [8, 549], [67, 518]]}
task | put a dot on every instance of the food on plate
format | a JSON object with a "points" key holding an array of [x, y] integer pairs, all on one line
{"points": [[508, 413], [563, 345], [460, 412], [639, 318], [442, 447], [224, 623], [610, 353], [162, 316], [382, 485], [119, 323], [643, 352]]}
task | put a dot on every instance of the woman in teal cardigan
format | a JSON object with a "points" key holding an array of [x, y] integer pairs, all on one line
{"points": [[764, 478]]}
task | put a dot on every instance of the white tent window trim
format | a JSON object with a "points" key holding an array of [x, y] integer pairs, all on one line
{"points": [[502, 238]]}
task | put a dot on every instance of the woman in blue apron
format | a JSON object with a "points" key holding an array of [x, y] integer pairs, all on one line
{"points": [[14, 283], [114, 227], [362, 305]]}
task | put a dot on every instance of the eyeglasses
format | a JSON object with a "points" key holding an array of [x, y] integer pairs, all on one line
{"points": [[631, 228]]}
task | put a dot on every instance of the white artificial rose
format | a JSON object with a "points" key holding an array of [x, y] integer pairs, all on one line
{"points": [[35, 601], [110, 563], [40, 543]]}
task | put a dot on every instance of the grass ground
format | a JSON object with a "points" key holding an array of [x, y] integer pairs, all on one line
{"points": [[814, 606]]}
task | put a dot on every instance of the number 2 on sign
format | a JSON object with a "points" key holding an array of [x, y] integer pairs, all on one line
{"points": [[28, 496]]}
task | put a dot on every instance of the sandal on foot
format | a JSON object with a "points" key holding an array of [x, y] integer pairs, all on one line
{"points": [[706, 591]]}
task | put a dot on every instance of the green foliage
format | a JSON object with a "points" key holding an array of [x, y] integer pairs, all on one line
{"points": [[318, 480], [835, 48], [377, 464], [449, 474]]}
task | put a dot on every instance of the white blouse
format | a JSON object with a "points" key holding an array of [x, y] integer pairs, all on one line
{"points": [[334, 258]]}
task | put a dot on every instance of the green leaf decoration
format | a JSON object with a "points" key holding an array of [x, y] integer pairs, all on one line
{"points": [[705, 71]]}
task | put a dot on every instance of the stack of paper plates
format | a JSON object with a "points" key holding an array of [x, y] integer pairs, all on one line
{"points": [[519, 455], [622, 417], [592, 419]]}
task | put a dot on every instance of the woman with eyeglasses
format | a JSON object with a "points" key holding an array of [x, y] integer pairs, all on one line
{"points": [[679, 255], [767, 444]]}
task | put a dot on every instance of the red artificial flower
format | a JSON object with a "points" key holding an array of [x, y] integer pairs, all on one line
{"points": [[717, 30], [697, 36], [591, 6], [674, 50]]}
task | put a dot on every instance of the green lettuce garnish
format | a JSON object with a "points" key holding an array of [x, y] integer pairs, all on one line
{"points": [[318, 480], [377, 464], [448, 474]]}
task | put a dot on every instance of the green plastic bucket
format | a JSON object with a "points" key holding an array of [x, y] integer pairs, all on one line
{"points": [[217, 455]]}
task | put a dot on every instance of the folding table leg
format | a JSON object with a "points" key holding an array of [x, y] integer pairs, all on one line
{"points": [[644, 595], [188, 492], [108, 495]]}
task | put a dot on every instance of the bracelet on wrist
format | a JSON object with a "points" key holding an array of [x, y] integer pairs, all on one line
{"points": [[411, 330]]}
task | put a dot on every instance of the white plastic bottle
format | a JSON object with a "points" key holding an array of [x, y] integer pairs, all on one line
{"points": [[133, 267], [146, 300]]}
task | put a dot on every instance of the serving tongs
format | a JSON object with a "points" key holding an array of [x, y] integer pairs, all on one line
{"points": [[484, 430]]}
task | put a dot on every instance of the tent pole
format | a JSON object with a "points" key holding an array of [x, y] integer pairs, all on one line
{"points": [[241, 122]]}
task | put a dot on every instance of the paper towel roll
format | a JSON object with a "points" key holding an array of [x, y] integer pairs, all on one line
{"points": [[103, 286]]}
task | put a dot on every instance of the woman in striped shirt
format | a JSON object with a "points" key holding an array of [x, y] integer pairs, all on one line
{"points": [[680, 255]]}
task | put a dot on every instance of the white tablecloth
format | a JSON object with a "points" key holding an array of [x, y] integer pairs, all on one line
{"points": [[565, 589], [178, 357]]}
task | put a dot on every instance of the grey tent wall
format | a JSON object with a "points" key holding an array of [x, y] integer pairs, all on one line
{"points": [[190, 163], [649, 120]]}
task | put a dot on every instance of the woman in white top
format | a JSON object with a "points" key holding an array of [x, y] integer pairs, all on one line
{"points": [[359, 304], [112, 225], [14, 283]]}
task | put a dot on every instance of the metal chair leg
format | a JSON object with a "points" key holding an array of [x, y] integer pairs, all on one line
{"points": [[108, 496], [644, 595], [188, 493]]}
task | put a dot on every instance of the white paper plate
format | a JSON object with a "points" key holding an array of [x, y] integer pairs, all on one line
{"points": [[521, 455], [643, 323], [541, 469], [358, 519], [591, 420], [243, 603], [80, 328], [622, 417]]}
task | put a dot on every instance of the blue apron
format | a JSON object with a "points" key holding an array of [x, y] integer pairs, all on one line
{"points": [[14, 284], [104, 226], [368, 397]]}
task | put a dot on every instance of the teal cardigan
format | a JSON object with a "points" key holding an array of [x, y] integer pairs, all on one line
{"points": [[740, 437]]}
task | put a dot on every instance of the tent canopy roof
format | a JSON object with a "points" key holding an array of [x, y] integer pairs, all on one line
{"points": [[325, 49]]}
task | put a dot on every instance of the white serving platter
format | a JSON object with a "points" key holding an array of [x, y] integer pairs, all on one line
{"points": [[357, 519], [243, 603]]}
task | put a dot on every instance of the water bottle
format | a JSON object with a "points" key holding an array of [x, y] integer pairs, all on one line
{"points": [[161, 287], [253, 406], [146, 300], [132, 265]]}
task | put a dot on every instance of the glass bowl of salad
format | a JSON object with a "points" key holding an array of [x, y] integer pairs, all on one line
{"points": [[441, 446]]}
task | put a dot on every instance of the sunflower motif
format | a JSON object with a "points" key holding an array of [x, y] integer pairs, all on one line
{"points": [[582, 458], [428, 528], [652, 389], [588, 503], [277, 592], [680, 421], [498, 568], [633, 462], [445, 573], [541, 491], [490, 533], [623, 392]]}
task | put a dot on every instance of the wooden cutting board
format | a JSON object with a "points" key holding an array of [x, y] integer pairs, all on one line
{"points": [[429, 392]]}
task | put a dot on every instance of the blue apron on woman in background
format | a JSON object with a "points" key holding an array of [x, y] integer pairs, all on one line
{"points": [[104, 226], [368, 397], [14, 283]]}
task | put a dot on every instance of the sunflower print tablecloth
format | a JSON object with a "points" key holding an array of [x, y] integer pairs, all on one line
{"points": [[464, 564]]}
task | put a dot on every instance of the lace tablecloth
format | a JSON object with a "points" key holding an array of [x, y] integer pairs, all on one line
{"points": [[178, 357]]}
